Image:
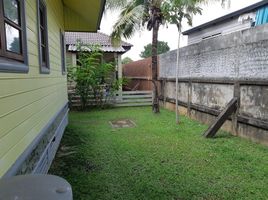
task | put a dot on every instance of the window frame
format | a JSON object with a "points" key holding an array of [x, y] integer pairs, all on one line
{"points": [[44, 66], [63, 52], [12, 62]]}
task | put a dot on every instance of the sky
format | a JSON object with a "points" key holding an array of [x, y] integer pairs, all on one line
{"points": [[170, 34]]}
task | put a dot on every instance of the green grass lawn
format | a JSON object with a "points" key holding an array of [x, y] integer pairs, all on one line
{"points": [[157, 159]]}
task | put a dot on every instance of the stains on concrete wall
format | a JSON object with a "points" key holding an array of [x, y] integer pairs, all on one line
{"points": [[254, 102], [235, 56], [170, 90], [167, 64], [214, 71], [212, 95], [253, 62], [182, 92], [253, 133], [207, 119]]}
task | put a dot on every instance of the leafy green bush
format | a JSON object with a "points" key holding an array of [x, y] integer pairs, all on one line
{"points": [[93, 78]]}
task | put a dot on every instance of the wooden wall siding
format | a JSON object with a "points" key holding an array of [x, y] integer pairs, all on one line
{"points": [[29, 101]]}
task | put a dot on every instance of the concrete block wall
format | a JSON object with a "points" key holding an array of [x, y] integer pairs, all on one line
{"points": [[242, 54], [214, 71]]}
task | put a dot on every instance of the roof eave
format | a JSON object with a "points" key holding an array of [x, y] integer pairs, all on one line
{"points": [[83, 15], [104, 48], [225, 17], [101, 13]]}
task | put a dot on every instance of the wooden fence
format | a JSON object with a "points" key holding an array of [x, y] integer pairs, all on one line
{"points": [[120, 99]]}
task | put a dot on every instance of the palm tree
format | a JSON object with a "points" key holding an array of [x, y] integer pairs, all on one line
{"points": [[152, 13], [176, 12], [135, 14]]}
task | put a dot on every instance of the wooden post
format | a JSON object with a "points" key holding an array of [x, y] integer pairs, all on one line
{"points": [[120, 74], [228, 111], [163, 91], [236, 113], [73, 59], [189, 98]]}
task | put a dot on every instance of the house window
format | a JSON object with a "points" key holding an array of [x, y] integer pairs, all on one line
{"points": [[13, 56], [43, 37], [63, 52]]}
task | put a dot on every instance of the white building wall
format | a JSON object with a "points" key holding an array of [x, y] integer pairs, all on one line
{"points": [[233, 25]]}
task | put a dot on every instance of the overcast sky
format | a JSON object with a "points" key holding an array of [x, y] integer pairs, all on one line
{"points": [[170, 34]]}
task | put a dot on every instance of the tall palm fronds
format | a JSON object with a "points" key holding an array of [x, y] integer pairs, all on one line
{"points": [[130, 20], [136, 14]]}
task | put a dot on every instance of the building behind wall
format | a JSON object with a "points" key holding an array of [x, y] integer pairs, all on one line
{"points": [[103, 41], [240, 20], [78, 41]]}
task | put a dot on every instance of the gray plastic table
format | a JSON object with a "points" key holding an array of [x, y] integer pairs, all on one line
{"points": [[35, 187]]}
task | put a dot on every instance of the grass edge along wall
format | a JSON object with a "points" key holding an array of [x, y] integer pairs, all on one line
{"points": [[216, 70], [33, 85]]}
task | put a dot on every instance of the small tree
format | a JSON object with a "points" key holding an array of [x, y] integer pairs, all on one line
{"points": [[162, 47], [126, 60], [93, 78]]}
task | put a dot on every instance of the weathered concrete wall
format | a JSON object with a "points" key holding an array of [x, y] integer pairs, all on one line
{"points": [[170, 90], [254, 101], [238, 55], [214, 71], [211, 95]]}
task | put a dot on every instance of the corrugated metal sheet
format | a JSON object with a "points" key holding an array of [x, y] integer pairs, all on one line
{"points": [[251, 8], [101, 39], [103, 48], [262, 16], [91, 39]]}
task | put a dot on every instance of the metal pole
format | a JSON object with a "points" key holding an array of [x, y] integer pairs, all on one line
{"points": [[177, 74]]}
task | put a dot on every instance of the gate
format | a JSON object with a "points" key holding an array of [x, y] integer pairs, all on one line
{"points": [[134, 98]]}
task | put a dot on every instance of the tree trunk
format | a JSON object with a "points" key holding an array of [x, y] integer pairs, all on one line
{"points": [[154, 68]]}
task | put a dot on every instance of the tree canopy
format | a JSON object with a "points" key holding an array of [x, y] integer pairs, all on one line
{"points": [[162, 47], [127, 60]]}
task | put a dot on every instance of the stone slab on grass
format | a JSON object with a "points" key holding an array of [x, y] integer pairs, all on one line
{"points": [[122, 123]]}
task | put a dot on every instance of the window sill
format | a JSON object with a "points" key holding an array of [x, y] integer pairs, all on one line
{"points": [[12, 66], [44, 70]]}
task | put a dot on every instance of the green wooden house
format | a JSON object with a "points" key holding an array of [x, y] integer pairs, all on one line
{"points": [[33, 85]]}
